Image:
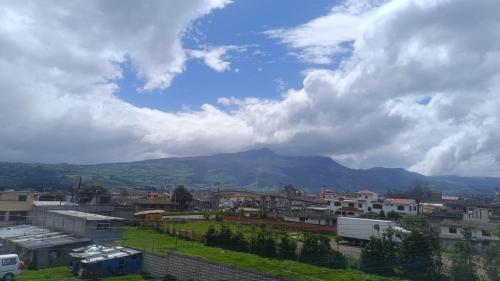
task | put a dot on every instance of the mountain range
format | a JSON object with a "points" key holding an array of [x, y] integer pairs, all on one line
{"points": [[260, 169]]}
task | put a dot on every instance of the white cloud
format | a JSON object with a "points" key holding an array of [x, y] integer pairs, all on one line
{"points": [[216, 57], [320, 40], [59, 61]]}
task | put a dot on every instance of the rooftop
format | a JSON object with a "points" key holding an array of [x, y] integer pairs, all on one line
{"points": [[150, 212], [96, 253], [398, 201], [366, 191], [83, 215], [53, 203], [34, 237]]}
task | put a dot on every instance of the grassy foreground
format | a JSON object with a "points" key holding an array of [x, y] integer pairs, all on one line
{"points": [[63, 273], [151, 241]]}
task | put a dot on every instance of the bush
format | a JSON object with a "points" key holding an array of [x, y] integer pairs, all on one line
{"points": [[286, 247], [316, 250], [211, 237], [238, 242]]}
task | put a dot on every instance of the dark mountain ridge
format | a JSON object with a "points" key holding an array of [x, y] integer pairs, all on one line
{"points": [[260, 169]]}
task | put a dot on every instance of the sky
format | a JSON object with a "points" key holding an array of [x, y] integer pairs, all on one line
{"points": [[407, 83]]}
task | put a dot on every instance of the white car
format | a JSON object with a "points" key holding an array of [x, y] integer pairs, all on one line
{"points": [[9, 267]]}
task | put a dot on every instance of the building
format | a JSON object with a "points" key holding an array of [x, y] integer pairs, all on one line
{"points": [[93, 262], [451, 231], [153, 204], [327, 195], [39, 247], [94, 226], [15, 206], [365, 201], [150, 218], [401, 206]]}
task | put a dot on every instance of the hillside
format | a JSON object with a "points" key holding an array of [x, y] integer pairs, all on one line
{"points": [[256, 169]]}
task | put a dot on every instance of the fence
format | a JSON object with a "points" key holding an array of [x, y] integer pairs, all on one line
{"points": [[184, 268]]}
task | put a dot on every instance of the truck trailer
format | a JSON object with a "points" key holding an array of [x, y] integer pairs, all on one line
{"points": [[359, 231]]}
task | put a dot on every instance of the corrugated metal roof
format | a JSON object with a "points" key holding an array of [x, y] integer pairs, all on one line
{"points": [[34, 237], [96, 253], [84, 215]]}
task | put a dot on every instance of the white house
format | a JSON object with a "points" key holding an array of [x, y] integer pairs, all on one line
{"points": [[366, 201]]}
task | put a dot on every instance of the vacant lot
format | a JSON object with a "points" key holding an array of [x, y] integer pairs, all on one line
{"points": [[153, 241]]}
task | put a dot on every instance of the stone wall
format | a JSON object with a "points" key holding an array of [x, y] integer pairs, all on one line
{"points": [[184, 268]]}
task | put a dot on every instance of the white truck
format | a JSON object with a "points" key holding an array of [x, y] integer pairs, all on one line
{"points": [[359, 231], [10, 266]]}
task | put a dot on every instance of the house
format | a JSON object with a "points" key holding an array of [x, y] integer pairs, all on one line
{"points": [[39, 247], [94, 226], [327, 195], [149, 218], [153, 204], [366, 201], [402, 206], [93, 262], [15, 206], [451, 231], [310, 217]]}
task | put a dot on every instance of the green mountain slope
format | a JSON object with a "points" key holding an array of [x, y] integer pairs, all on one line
{"points": [[256, 169]]}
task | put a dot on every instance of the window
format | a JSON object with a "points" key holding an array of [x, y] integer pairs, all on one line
{"points": [[350, 213], [103, 226], [401, 208], [337, 212], [337, 204], [369, 209], [302, 219], [377, 206], [360, 205], [22, 198], [485, 233], [9, 261], [351, 205], [452, 230]]}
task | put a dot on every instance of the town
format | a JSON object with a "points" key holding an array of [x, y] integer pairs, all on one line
{"points": [[93, 232]]}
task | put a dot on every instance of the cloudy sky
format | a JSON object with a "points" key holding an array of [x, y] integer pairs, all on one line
{"points": [[412, 84]]}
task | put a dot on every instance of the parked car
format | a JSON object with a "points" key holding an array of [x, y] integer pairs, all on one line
{"points": [[10, 266]]}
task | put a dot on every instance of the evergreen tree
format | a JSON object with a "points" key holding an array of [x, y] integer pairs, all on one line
{"points": [[182, 197], [463, 267], [317, 250], [211, 236], [286, 247], [224, 236], [420, 251], [238, 241]]}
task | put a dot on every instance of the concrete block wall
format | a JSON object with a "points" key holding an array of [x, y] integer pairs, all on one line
{"points": [[184, 268]]}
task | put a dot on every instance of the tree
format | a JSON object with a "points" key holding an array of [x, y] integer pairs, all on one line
{"points": [[420, 251], [393, 215], [379, 255], [238, 241], [224, 236], [211, 236], [463, 267], [490, 258], [182, 197], [317, 250], [381, 214], [286, 247]]}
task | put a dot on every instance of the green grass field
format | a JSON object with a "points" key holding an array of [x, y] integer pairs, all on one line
{"points": [[63, 273], [153, 241]]}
